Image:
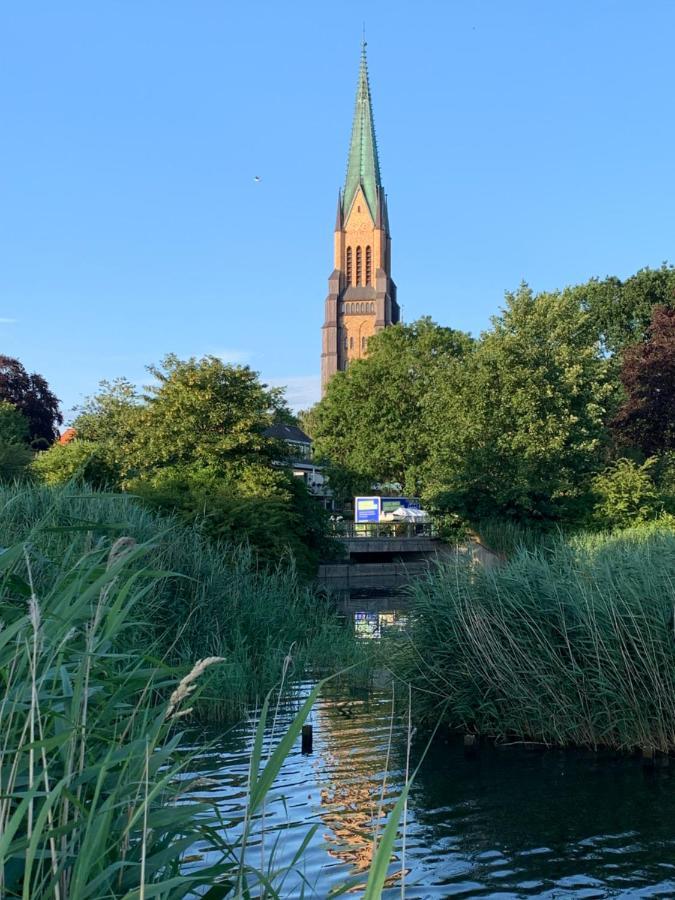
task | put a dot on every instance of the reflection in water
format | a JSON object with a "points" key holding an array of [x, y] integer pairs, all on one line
{"points": [[510, 823], [373, 623], [359, 792]]}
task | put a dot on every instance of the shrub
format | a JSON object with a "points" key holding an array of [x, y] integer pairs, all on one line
{"points": [[626, 494]]}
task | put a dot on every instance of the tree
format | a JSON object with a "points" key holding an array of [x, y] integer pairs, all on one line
{"points": [[31, 395], [646, 419], [369, 422], [13, 425], [518, 428], [194, 443], [15, 454], [621, 310]]}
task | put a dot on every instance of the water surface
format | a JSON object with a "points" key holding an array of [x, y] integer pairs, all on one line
{"points": [[509, 823]]}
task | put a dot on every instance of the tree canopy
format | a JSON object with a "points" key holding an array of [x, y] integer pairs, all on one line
{"points": [[194, 442], [31, 395], [369, 422], [646, 419]]}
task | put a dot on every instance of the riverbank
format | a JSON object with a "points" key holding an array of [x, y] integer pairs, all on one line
{"points": [[568, 644]]}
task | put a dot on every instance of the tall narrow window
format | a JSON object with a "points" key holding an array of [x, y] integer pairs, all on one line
{"points": [[369, 266], [363, 343], [351, 343], [358, 265], [349, 265]]}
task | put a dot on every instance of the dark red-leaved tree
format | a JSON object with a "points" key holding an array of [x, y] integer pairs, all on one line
{"points": [[31, 395], [647, 418]]}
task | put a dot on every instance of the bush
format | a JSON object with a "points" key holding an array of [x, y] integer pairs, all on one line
{"points": [[78, 459], [626, 494]]}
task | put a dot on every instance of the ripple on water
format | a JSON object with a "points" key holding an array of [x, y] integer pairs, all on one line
{"points": [[506, 824]]}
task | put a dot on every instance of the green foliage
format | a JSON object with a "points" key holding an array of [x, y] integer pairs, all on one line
{"points": [[77, 460], [571, 644], [15, 454], [518, 429], [626, 494], [194, 444], [284, 523], [220, 602], [369, 422], [93, 805], [13, 424], [97, 799], [621, 310]]}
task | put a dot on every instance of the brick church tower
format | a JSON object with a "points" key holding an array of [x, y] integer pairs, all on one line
{"points": [[361, 294]]}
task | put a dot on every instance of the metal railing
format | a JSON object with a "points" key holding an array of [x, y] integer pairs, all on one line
{"points": [[347, 529]]}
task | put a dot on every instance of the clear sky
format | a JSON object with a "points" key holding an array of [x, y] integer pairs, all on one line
{"points": [[518, 140]]}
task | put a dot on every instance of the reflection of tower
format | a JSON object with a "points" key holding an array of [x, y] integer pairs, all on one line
{"points": [[361, 294], [354, 758]]}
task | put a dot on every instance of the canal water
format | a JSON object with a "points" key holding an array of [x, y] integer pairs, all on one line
{"points": [[509, 822]]}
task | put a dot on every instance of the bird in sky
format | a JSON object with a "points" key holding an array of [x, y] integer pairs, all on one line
{"points": [[257, 178]]}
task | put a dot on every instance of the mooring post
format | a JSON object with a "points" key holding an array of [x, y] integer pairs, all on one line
{"points": [[470, 745], [307, 739]]}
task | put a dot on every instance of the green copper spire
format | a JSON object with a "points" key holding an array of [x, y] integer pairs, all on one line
{"points": [[363, 167]]}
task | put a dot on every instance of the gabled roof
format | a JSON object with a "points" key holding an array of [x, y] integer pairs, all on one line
{"points": [[292, 433], [363, 165]]}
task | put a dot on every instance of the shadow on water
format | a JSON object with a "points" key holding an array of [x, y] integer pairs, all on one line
{"points": [[508, 823]]}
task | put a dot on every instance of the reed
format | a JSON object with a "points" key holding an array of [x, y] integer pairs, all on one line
{"points": [[94, 800], [571, 643], [210, 600]]}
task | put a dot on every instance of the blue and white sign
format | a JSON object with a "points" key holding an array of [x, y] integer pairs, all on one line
{"points": [[366, 509]]}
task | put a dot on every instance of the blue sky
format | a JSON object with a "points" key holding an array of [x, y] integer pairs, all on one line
{"points": [[518, 140]]}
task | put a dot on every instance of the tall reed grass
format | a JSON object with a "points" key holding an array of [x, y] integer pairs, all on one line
{"points": [[212, 600], [572, 643], [94, 802]]}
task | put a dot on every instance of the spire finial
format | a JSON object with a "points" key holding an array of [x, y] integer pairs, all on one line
{"points": [[364, 43]]}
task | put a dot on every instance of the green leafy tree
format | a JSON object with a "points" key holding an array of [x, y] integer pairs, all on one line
{"points": [[77, 460], [519, 428], [625, 494], [15, 454], [621, 311], [369, 422], [195, 443], [14, 427]]}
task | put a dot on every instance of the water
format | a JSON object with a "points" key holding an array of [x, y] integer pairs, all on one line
{"points": [[512, 822]]}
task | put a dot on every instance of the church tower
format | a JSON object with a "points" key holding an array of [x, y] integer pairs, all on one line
{"points": [[361, 294]]}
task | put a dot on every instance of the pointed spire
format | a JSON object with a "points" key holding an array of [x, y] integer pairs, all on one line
{"points": [[363, 166]]}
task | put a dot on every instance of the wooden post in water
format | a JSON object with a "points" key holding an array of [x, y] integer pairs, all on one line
{"points": [[307, 739], [470, 745]]}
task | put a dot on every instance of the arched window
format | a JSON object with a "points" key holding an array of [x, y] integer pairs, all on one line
{"points": [[351, 343], [349, 265], [363, 343], [358, 265], [369, 265]]}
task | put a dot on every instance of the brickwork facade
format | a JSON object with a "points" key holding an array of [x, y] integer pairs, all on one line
{"points": [[361, 293]]}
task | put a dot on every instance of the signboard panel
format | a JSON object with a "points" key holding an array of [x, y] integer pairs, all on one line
{"points": [[366, 509], [389, 504]]}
